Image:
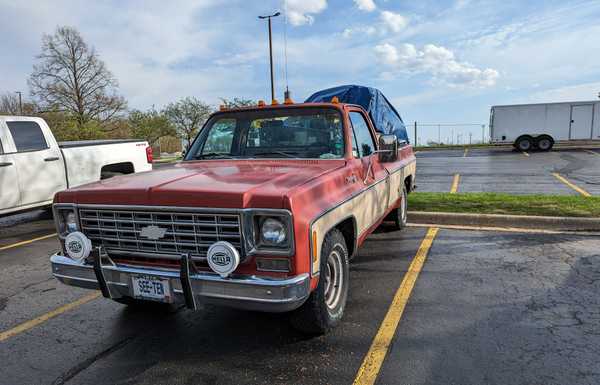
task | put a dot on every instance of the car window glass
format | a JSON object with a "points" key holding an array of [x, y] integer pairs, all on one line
{"points": [[220, 137], [1, 148], [362, 135], [27, 136]]}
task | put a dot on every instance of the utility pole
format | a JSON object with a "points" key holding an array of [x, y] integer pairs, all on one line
{"points": [[20, 103], [439, 135], [470, 136], [268, 17], [416, 141]]}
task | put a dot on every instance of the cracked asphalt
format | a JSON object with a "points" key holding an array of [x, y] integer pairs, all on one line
{"points": [[488, 308], [508, 171]]}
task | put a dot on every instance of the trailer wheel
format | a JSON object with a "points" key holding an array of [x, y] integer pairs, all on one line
{"points": [[524, 143], [544, 143]]}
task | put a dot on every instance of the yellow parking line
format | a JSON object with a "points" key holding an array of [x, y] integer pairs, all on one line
{"points": [[574, 187], [466, 152], [371, 365], [455, 181], [525, 153], [27, 242], [45, 317]]}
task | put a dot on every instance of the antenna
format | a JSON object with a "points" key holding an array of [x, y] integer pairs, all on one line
{"points": [[285, 59]]}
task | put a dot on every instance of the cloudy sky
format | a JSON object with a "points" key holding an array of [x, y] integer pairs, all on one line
{"points": [[438, 61]]}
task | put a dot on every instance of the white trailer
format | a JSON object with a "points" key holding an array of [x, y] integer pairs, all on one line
{"points": [[539, 126]]}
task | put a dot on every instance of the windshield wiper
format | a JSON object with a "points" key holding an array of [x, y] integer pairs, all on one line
{"points": [[286, 154], [213, 155]]}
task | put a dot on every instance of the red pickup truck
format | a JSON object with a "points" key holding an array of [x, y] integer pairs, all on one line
{"points": [[265, 212]]}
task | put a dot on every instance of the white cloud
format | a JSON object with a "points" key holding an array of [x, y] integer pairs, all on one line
{"points": [[437, 61], [584, 91], [395, 22], [360, 30], [365, 5], [300, 12]]}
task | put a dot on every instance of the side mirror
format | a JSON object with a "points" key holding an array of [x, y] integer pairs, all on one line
{"points": [[388, 148]]}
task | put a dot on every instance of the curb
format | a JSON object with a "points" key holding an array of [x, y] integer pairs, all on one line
{"points": [[512, 221]]}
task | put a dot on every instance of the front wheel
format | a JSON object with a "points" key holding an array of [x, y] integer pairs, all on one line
{"points": [[324, 309]]}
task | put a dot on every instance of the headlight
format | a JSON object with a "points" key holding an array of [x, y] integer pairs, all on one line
{"points": [[273, 232], [70, 221], [66, 220]]}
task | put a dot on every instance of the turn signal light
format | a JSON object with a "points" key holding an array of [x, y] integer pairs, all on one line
{"points": [[271, 264], [314, 246]]}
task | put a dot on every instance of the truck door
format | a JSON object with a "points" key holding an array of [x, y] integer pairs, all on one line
{"points": [[39, 165], [373, 176], [581, 121], [9, 186]]}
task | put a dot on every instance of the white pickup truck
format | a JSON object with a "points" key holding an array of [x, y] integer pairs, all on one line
{"points": [[34, 166]]}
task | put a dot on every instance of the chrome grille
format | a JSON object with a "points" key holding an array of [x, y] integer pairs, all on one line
{"points": [[118, 231]]}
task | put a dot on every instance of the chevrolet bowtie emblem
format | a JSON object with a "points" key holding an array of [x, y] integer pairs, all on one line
{"points": [[153, 232]]}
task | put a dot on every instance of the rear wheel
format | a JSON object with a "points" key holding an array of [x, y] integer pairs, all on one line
{"points": [[524, 143], [324, 309], [401, 213], [544, 143]]}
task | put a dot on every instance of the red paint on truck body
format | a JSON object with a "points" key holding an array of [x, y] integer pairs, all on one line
{"points": [[307, 188]]}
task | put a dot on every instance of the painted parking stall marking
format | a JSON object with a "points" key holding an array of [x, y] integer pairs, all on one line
{"points": [[23, 243], [455, 183], [371, 365], [27, 325], [571, 185]]}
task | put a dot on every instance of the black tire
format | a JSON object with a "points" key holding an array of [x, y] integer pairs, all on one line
{"points": [[524, 143], [544, 143], [400, 214], [324, 309]]}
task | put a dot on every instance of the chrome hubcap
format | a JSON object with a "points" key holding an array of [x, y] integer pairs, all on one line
{"points": [[334, 278]]}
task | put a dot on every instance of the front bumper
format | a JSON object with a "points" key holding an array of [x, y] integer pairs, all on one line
{"points": [[189, 287]]}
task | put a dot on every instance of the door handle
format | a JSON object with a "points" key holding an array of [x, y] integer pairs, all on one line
{"points": [[51, 159], [6, 164]]}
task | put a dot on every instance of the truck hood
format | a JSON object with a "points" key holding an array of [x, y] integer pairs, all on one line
{"points": [[212, 183]]}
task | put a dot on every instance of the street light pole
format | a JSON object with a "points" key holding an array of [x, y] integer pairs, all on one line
{"points": [[20, 103], [268, 17]]}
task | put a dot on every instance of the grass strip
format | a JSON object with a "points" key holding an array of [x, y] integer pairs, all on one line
{"points": [[509, 204]]}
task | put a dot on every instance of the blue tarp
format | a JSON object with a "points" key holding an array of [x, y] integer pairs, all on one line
{"points": [[384, 116]]}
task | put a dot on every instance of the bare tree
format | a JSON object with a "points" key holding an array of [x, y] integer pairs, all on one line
{"points": [[188, 115], [70, 77], [237, 102], [9, 104]]}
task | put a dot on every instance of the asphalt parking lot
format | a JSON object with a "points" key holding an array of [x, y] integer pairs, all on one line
{"points": [[561, 171], [486, 308]]}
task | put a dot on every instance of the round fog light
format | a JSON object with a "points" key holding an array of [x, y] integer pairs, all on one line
{"points": [[78, 246], [223, 258]]}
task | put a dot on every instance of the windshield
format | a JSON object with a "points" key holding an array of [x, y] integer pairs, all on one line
{"points": [[280, 133]]}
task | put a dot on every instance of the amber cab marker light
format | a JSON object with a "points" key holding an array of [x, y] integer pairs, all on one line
{"points": [[335, 100], [274, 102], [222, 107], [314, 245], [261, 103], [288, 101]]}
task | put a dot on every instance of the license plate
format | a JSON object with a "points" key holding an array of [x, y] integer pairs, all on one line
{"points": [[152, 288]]}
